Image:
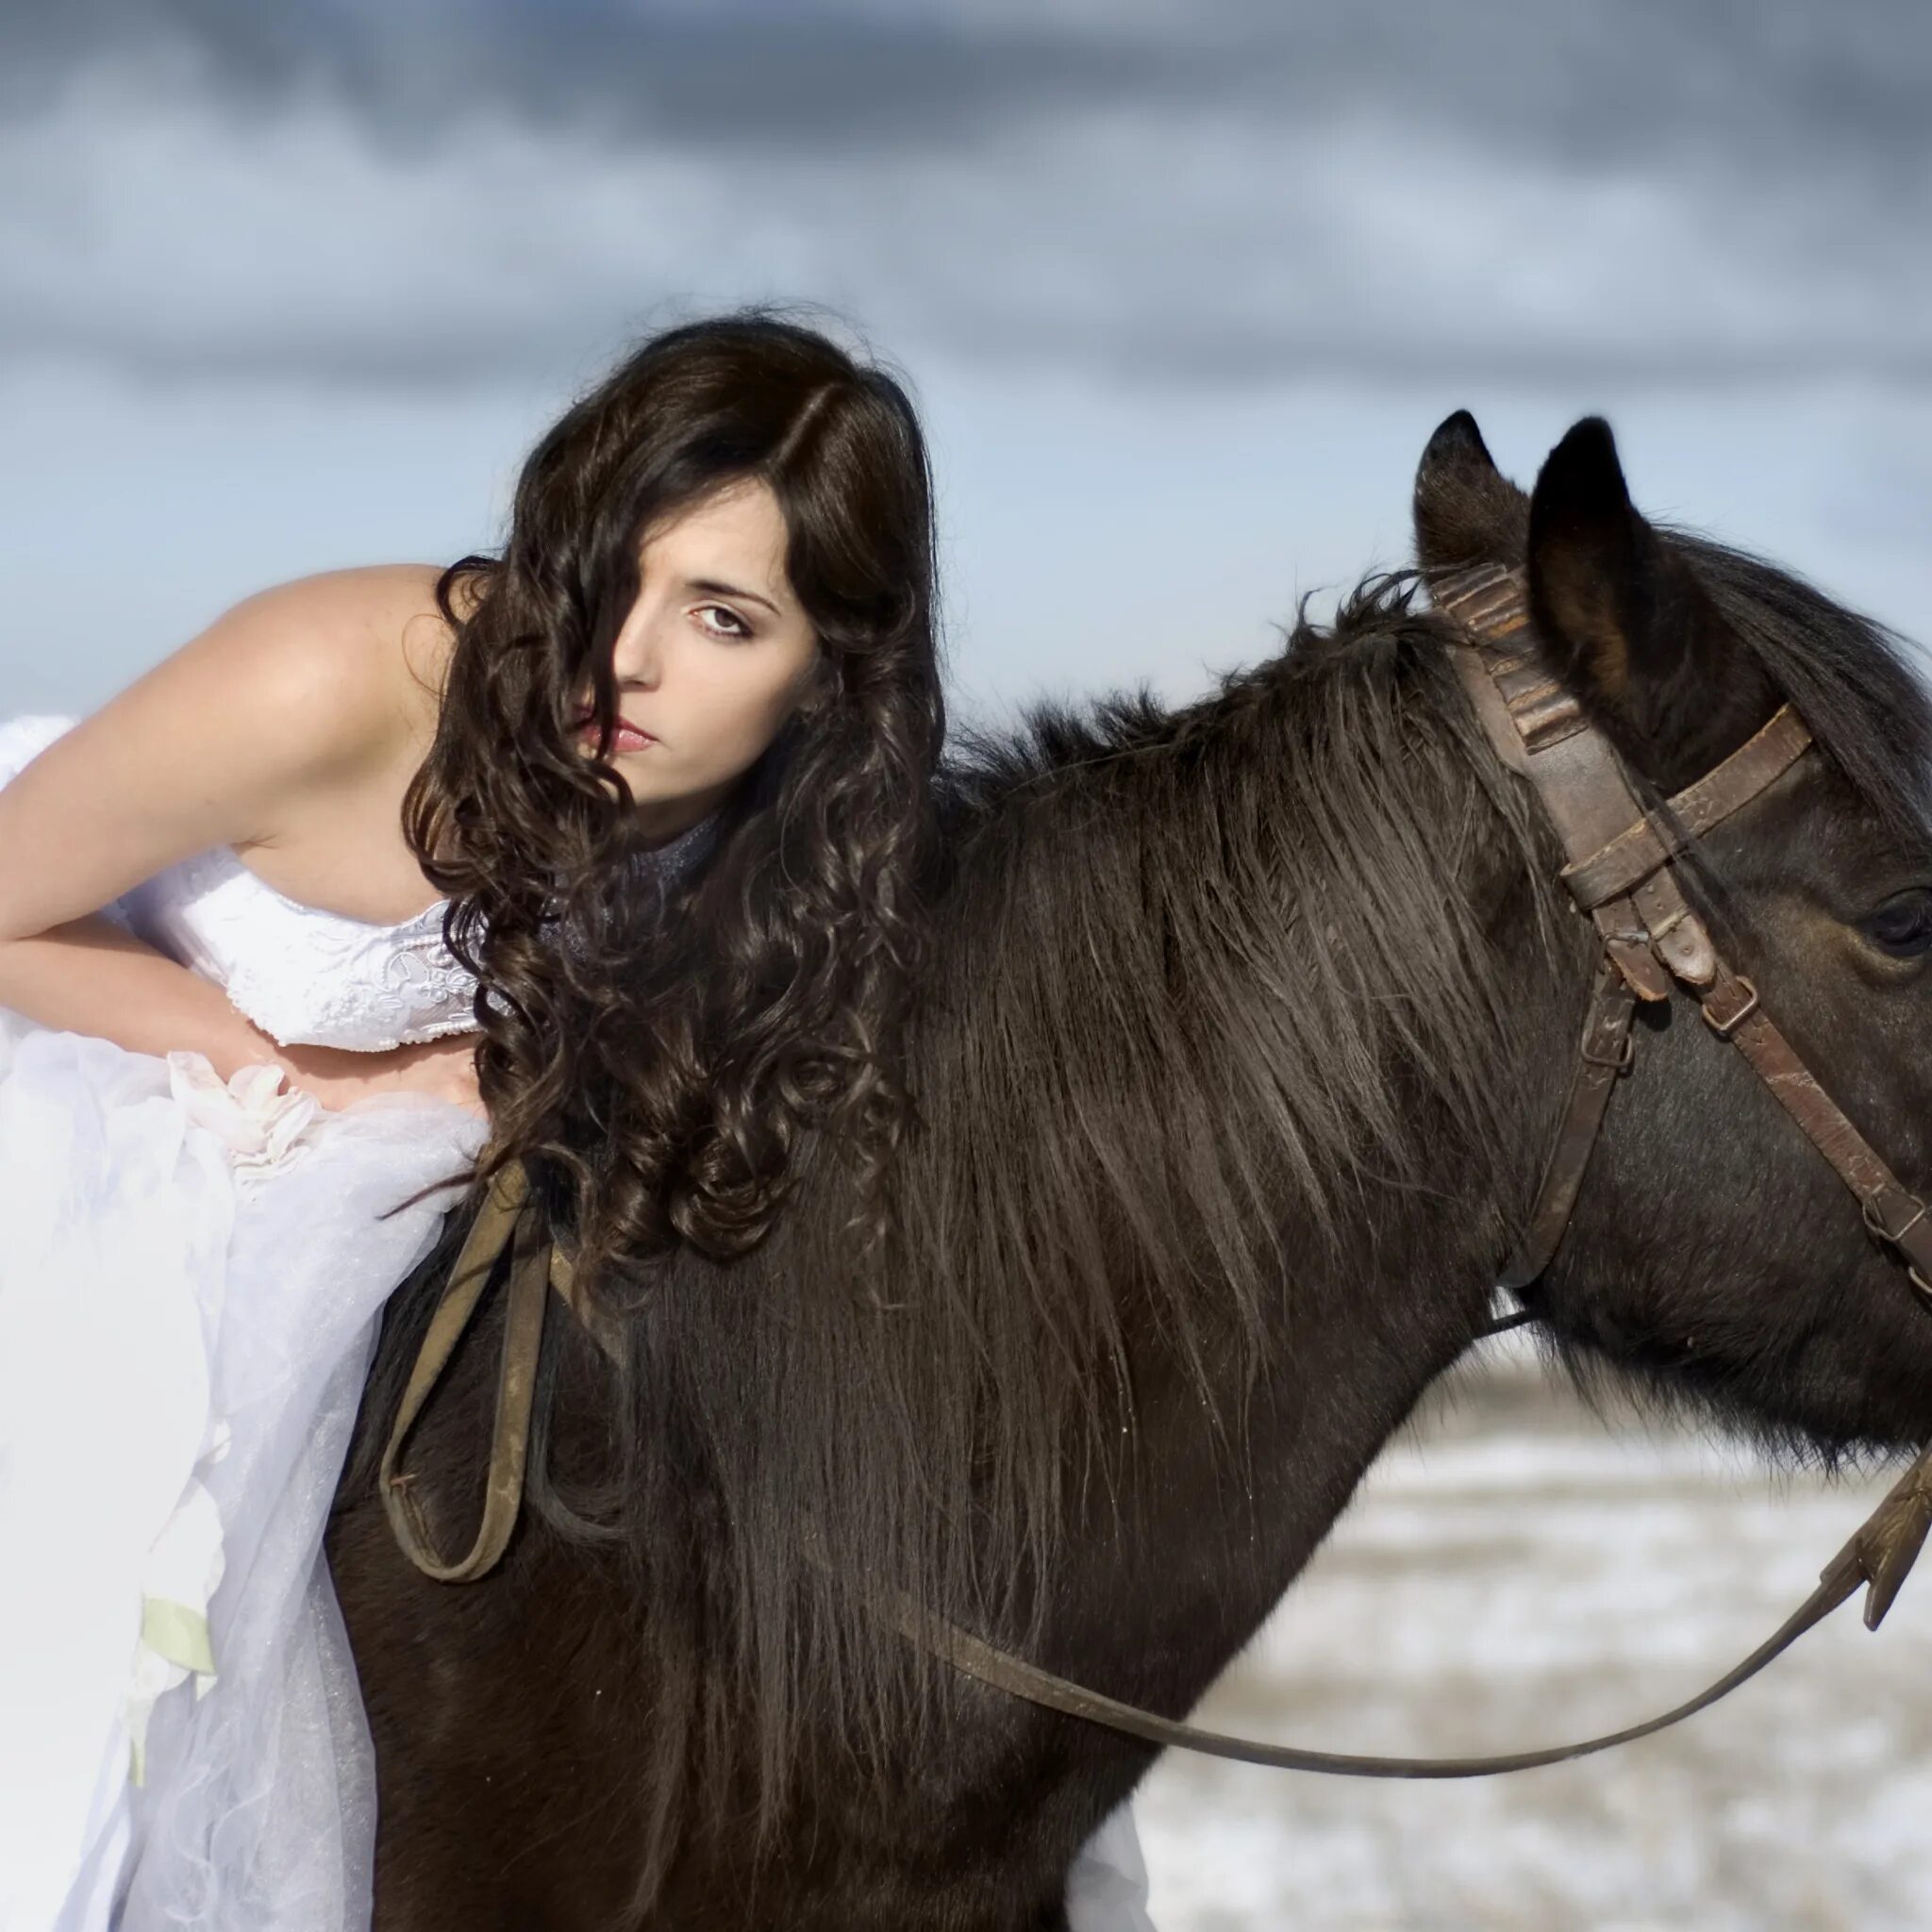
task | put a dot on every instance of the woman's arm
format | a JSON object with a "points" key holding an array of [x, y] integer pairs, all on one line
{"points": [[282, 701], [90, 976], [69, 977]]}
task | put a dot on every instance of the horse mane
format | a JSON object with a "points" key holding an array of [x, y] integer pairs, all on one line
{"points": [[1208, 976]]}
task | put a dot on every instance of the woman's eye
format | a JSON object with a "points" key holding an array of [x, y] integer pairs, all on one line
{"points": [[731, 617], [1903, 926]]}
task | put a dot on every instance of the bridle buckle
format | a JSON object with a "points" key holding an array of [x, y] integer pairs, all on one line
{"points": [[1725, 1024], [1619, 1062], [1886, 1234]]}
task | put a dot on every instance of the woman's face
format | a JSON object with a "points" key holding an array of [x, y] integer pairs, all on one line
{"points": [[712, 660]]}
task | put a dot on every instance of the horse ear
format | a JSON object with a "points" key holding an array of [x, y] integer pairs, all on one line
{"points": [[1625, 624], [1618, 617], [1466, 510]]}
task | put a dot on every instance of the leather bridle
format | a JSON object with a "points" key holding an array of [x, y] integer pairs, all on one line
{"points": [[1619, 873]]}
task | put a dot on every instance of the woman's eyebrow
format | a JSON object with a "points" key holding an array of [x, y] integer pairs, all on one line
{"points": [[713, 587]]}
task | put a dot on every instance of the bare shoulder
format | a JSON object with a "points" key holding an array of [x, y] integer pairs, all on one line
{"points": [[306, 677], [368, 642], [286, 720]]}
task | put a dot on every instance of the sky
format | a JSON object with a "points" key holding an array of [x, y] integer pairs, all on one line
{"points": [[1180, 288]]}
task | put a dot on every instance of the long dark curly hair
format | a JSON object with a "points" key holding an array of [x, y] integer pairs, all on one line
{"points": [[653, 1047]]}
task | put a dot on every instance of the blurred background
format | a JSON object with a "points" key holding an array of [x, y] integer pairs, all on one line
{"points": [[1181, 288], [1183, 285]]}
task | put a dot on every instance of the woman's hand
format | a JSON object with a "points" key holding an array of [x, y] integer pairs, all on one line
{"points": [[337, 1077]]}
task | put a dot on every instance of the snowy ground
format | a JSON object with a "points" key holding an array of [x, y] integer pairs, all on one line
{"points": [[1516, 1574]]}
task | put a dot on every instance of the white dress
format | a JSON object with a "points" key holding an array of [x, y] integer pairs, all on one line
{"points": [[190, 1274], [190, 1277]]}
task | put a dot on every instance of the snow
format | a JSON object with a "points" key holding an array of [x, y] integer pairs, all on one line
{"points": [[1517, 1573]]}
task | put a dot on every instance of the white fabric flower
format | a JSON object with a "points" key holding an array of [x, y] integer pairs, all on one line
{"points": [[260, 1125]]}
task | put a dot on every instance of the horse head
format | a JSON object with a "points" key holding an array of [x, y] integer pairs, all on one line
{"points": [[1712, 1249]]}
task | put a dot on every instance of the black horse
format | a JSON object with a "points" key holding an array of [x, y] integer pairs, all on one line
{"points": [[1251, 1031]]}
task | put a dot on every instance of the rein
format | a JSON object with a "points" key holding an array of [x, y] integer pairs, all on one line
{"points": [[1619, 872]]}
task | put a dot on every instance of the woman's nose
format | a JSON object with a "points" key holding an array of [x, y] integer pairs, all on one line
{"points": [[634, 659]]}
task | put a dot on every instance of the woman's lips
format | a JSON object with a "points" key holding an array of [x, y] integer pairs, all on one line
{"points": [[627, 735]]}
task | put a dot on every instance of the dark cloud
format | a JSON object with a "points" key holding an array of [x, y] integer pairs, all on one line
{"points": [[729, 77], [1580, 81], [1703, 192]]}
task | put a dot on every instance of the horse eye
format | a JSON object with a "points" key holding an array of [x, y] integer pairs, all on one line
{"points": [[1903, 926]]}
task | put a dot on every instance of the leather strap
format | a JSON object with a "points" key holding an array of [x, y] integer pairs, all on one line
{"points": [[1891, 1211], [1622, 877], [502, 1220], [1642, 849], [1880, 1553], [1603, 1057], [1548, 740], [1619, 870]]}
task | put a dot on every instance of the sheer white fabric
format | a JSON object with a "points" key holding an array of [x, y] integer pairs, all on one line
{"points": [[189, 1284], [191, 1272]]}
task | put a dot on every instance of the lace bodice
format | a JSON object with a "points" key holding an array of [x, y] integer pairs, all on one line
{"points": [[304, 975], [301, 973]]}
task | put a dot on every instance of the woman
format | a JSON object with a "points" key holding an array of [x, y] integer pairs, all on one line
{"points": [[239, 1053]]}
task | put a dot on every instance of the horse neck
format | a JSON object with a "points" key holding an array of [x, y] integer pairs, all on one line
{"points": [[1220, 1503], [1219, 1515]]}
